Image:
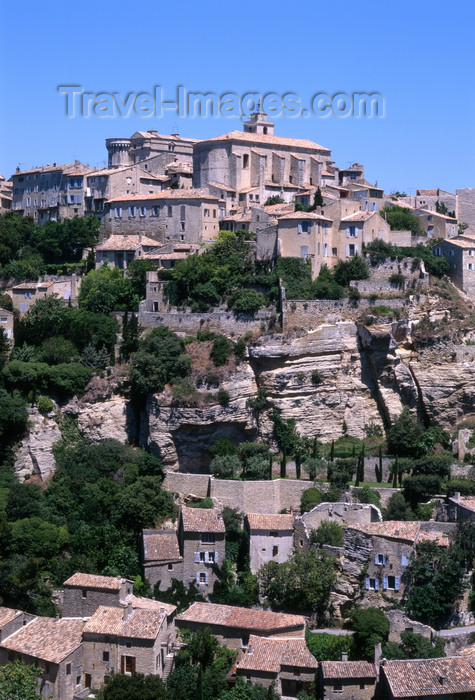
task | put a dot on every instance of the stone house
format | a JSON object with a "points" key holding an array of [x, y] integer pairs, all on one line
{"points": [[84, 593], [436, 225], [343, 514], [460, 252], [161, 557], [53, 192], [447, 678], [271, 538], [55, 645], [233, 626], [5, 195], [189, 216], [371, 197], [24, 295], [152, 150], [258, 163], [347, 680], [6, 322], [12, 620], [461, 507], [127, 640], [285, 662], [201, 534], [427, 199], [120, 250], [168, 255]]}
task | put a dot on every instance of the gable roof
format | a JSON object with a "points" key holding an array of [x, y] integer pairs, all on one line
{"points": [[348, 669], [270, 655], [186, 194], [424, 677], [267, 139], [393, 529], [7, 615], [240, 618], [151, 604], [259, 521], [130, 241], [202, 520], [106, 583], [47, 638], [161, 545], [308, 215], [140, 623], [359, 216]]}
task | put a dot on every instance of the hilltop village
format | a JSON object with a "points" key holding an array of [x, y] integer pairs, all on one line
{"points": [[237, 427]]}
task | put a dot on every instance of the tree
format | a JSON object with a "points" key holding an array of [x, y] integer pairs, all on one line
{"points": [[405, 437], [415, 646], [328, 647], [402, 219], [105, 290], [18, 681], [354, 269], [137, 275], [327, 533], [285, 433], [56, 350], [245, 690], [226, 466], [246, 301], [397, 508], [275, 199], [135, 687], [310, 498], [318, 199], [371, 627]]}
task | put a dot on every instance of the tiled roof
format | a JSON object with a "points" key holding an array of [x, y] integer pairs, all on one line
{"points": [[305, 215], [258, 521], [394, 529], [441, 538], [348, 669], [109, 583], [463, 242], [359, 216], [267, 139], [277, 208], [150, 604], [467, 501], [47, 638], [139, 624], [7, 615], [428, 212], [202, 520], [161, 545], [190, 193], [429, 677], [468, 653], [270, 655], [50, 168], [127, 242], [241, 618], [219, 186]]}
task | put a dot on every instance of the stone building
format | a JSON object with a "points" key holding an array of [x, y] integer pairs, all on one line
{"points": [[256, 163], [465, 208], [446, 678], [6, 322], [190, 216], [347, 680], [270, 538], [165, 258], [84, 593], [12, 620], [6, 189], [233, 626], [343, 514], [151, 149], [119, 250], [460, 252], [201, 534], [127, 640], [286, 663], [53, 192], [428, 199], [161, 557], [55, 646], [436, 225], [461, 508], [24, 295]]}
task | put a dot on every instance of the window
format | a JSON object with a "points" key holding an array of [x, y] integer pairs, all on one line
{"points": [[169, 211], [404, 560], [392, 583], [105, 656], [372, 584], [127, 664], [182, 213], [303, 227], [337, 687], [353, 231], [206, 212], [452, 251], [128, 645], [207, 537], [334, 252], [156, 211], [303, 251], [68, 669], [469, 266], [143, 211], [361, 686], [170, 567], [275, 550], [202, 556], [202, 578], [380, 559], [211, 557], [214, 211], [273, 533], [78, 680], [84, 593], [245, 161], [132, 211]]}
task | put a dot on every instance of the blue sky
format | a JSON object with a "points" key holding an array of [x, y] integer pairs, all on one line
{"points": [[419, 55]]}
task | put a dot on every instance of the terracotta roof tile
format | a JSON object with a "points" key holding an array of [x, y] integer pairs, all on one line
{"points": [[348, 669], [394, 529], [259, 521], [109, 583], [150, 604], [140, 623], [241, 618], [425, 677], [129, 242], [270, 655], [202, 520], [7, 615], [267, 139], [160, 545], [47, 638], [168, 194], [305, 215]]}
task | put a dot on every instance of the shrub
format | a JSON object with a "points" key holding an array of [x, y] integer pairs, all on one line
{"points": [[221, 350], [354, 269], [44, 405], [316, 377], [247, 301], [226, 466], [327, 533], [223, 397], [310, 498]]}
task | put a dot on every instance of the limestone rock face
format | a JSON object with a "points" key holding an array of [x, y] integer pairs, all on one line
{"points": [[35, 454], [447, 390], [112, 418]]}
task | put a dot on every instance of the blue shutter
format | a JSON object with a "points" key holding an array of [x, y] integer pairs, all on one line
{"points": [[404, 560], [197, 557], [299, 227], [366, 584], [216, 557], [356, 231], [356, 248], [347, 250], [384, 559], [197, 579], [385, 583], [347, 231], [376, 559], [376, 584], [207, 578], [397, 583]]}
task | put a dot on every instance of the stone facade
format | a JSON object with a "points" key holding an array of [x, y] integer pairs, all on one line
{"points": [[201, 535], [347, 680], [436, 225], [12, 620], [84, 593], [161, 557], [465, 211], [270, 538], [26, 294], [6, 322], [460, 252], [151, 149]]}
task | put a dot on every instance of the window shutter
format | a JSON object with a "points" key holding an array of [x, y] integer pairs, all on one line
{"points": [[384, 559], [404, 560], [356, 231], [385, 583], [366, 584], [133, 663], [197, 579], [122, 664], [376, 584], [197, 557], [216, 557], [207, 578], [299, 227], [397, 583], [356, 248], [347, 231], [347, 250], [376, 559], [206, 557]]}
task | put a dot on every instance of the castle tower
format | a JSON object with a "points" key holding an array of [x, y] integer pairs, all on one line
{"points": [[258, 123], [119, 152]]}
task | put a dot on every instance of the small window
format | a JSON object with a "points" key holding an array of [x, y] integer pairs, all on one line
{"points": [[84, 593], [275, 551], [211, 557], [78, 680], [338, 687], [128, 645], [68, 669], [202, 556], [245, 161], [273, 533], [202, 578], [169, 211], [207, 537], [170, 567], [105, 656], [361, 686]]}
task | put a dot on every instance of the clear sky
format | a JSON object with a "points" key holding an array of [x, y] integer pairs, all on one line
{"points": [[419, 55]]}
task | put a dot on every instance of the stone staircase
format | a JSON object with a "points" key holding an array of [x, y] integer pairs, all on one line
{"points": [[168, 667]]}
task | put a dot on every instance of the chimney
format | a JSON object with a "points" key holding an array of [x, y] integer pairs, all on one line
{"points": [[126, 611], [249, 648], [318, 210], [377, 656], [457, 496], [344, 656], [442, 679]]}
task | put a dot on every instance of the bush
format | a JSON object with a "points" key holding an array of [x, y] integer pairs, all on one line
{"points": [[316, 377], [327, 533], [310, 498], [44, 405], [222, 348], [223, 397], [226, 466], [246, 301], [348, 271], [57, 350], [371, 627]]}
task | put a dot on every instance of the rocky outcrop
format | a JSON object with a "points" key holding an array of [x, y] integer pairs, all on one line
{"points": [[112, 418], [447, 390], [35, 454]]}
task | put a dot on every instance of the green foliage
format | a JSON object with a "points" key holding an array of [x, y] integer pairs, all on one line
{"points": [[13, 419], [44, 404], [436, 579], [314, 467], [414, 646], [57, 350], [241, 590], [371, 627], [328, 647], [18, 681], [137, 275], [222, 348], [223, 446], [223, 397], [206, 503], [66, 379], [246, 301], [325, 286], [310, 498], [179, 595], [327, 533], [135, 687], [95, 358], [402, 219], [130, 335], [296, 275], [398, 508], [304, 582], [405, 437], [275, 199], [366, 494], [466, 487], [420, 488], [245, 690], [354, 269], [107, 289]]}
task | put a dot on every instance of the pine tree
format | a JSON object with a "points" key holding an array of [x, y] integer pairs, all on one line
{"points": [[318, 199]]}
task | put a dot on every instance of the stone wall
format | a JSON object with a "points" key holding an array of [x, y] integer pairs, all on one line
{"points": [[225, 322], [310, 314], [383, 270]]}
